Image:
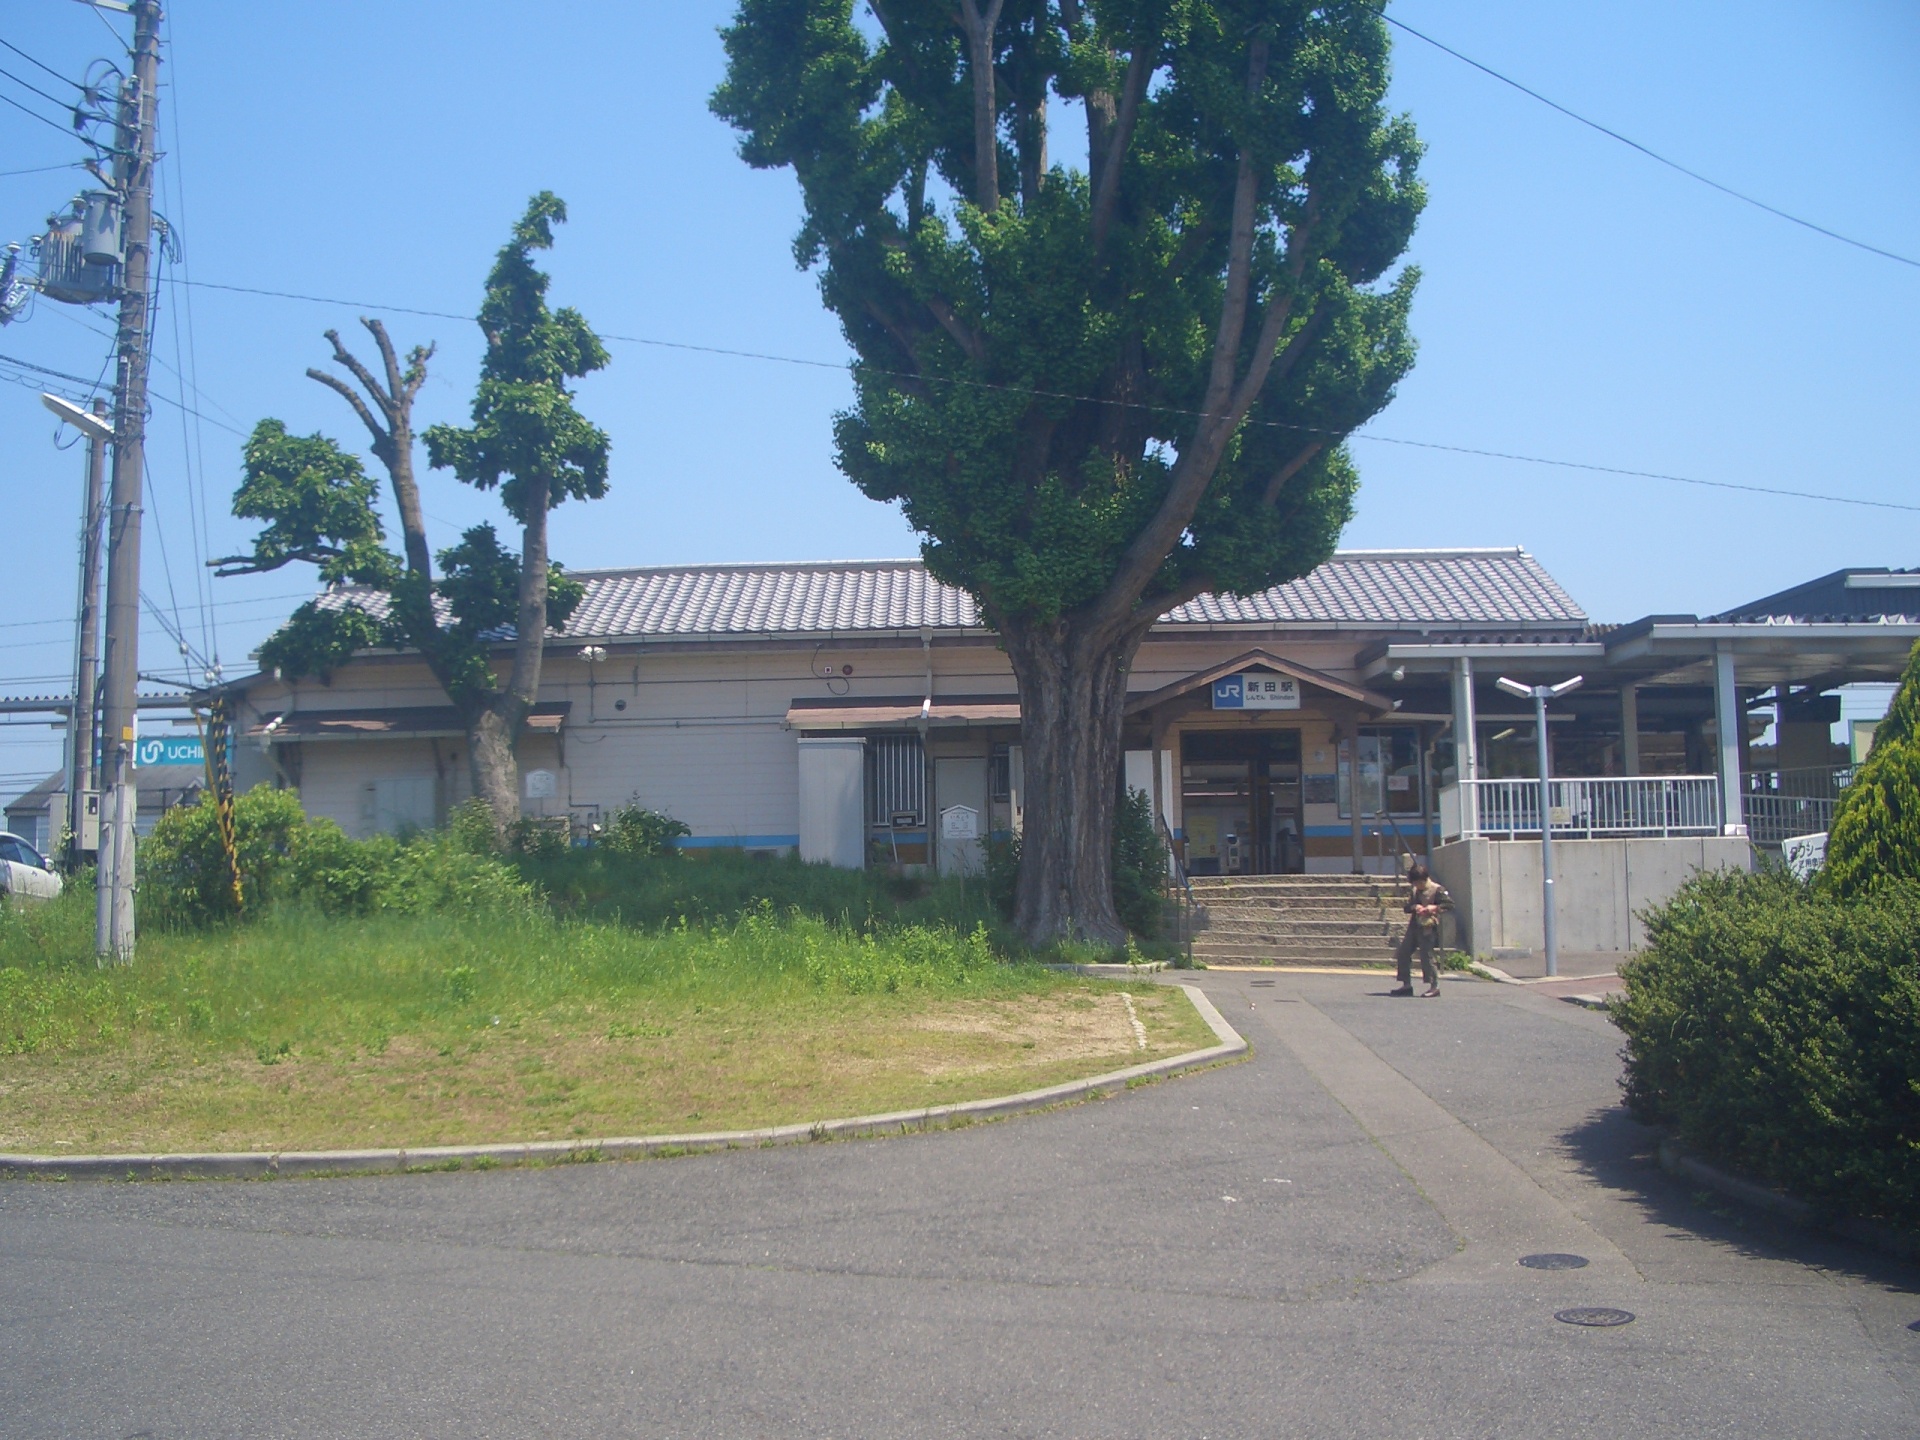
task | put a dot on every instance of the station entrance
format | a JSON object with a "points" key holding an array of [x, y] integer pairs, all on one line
{"points": [[1241, 802]]}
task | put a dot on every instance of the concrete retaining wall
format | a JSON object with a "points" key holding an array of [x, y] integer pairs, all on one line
{"points": [[1600, 886]]}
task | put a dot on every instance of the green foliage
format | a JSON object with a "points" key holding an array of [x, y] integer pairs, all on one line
{"points": [[1139, 865], [1036, 363], [318, 639], [317, 502], [636, 830], [1139, 868], [526, 437], [719, 886], [1875, 836], [1778, 1028], [183, 870], [286, 858], [297, 980]]}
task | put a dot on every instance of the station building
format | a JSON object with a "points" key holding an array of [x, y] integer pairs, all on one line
{"points": [[861, 713]]}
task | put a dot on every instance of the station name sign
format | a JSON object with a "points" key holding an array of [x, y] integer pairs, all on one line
{"points": [[1254, 690]]}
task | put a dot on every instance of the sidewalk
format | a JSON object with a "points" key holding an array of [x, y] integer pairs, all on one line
{"points": [[1589, 976]]}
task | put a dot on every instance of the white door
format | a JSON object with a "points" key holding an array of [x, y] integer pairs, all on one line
{"points": [[402, 803], [959, 787]]}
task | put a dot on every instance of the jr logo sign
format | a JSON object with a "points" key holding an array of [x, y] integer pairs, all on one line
{"points": [[1256, 690]]}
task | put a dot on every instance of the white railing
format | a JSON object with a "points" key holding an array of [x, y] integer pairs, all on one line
{"points": [[1782, 804], [1641, 805]]}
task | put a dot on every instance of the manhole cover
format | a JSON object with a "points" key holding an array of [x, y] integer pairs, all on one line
{"points": [[1595, 1315], [1553, 1260]]}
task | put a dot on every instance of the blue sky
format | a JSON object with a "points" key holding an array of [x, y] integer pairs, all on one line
{"points": [[1579, 301]]}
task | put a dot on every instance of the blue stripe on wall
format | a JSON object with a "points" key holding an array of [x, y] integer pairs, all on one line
{"points": [[736, 842]]}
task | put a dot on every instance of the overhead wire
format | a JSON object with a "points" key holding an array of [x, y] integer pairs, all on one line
{"points": [[70, 134], [1484, 453], [173, 173], [31, 60], [1648, 151], [29, 85], [39, 169]]}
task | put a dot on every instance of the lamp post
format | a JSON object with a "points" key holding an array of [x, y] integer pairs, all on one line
{"points": [[1540, 694], [80, 720]]}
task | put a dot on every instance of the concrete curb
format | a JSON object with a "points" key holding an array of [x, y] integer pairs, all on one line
{"points": [[1495, 973], [1903, 1244], [1119, 970], [256, 1164]]}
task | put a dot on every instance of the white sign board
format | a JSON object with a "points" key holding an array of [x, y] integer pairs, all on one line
{"points": [[1804, 854], [1256, 690], [959, 822], [541, 785]]}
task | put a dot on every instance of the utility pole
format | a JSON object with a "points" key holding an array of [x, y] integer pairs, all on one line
{"points": [[133, 160], [81, 779]]}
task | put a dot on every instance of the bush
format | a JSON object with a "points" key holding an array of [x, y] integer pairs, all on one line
{"points": [[636, 830], [1139, 865], [1875, 835], [287, 858], [1139, 868], [1777, 1027]]}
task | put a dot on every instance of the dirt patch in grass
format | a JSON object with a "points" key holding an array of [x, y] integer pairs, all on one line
{"points": [[667, 1064]]}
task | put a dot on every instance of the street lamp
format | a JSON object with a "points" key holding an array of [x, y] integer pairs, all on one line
{"points": [[1540, 694]]}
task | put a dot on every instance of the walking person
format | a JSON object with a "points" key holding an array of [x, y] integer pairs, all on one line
{"points": [[1426, 902]]}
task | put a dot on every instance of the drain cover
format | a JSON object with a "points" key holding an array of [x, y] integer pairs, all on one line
{"points": [[1595, 1315], [1553, 1260], [1258, 983]]}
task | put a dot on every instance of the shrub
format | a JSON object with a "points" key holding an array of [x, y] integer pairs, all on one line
{"points": [[182, 868], [1777, 1026], [287, 858], [1139, 868], [1875, 835], [636, 830], [1139, 865]]}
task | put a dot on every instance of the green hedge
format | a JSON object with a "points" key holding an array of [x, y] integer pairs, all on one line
{"points": [[1776, 1027], [1875, 834], [286, 857]]}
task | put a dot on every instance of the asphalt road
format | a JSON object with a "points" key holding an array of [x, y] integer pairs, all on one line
{"points": [[1322, 1241]]}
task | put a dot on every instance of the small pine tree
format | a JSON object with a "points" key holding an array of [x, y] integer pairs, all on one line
{"points": [[1875, 836]]}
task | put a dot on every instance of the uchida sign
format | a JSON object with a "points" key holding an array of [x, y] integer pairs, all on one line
{"points": [[1255, 690], [173, 750]]}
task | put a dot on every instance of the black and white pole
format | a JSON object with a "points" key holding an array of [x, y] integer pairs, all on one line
{"points": [[1540, 694]]}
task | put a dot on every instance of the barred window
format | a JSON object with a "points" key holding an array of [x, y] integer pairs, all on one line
{"points": [[896, 780]]}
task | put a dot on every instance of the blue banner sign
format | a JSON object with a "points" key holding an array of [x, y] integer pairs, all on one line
{"points": [[171, 750], [1256, 690]]}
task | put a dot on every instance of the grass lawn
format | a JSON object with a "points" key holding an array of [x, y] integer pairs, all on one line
{"points": [[301, 1031]]}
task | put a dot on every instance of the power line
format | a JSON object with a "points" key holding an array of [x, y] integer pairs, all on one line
{"points": [[1126, 404], [1651, 154], [70, 134], [39, 169], [43, 65], [29, 85]]}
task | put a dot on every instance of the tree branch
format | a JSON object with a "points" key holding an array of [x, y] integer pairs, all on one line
{"points": [[352, 397], [1106, 178], [963, 334], [1292, 468], [345, 357], [978, 29]]}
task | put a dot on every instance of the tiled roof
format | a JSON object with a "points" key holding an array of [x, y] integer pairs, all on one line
{"points": [[1499, 588]]}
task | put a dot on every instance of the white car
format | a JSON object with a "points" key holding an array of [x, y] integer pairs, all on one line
{"points": [[24, 871]]}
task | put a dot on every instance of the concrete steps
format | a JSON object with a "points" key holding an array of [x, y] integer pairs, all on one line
{"points": [[1333, 920]]}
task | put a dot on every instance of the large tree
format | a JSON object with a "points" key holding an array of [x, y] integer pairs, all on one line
{"points": [[1094, 392], [527, 439]]}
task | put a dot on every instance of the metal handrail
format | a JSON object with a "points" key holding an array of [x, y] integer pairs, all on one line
{"points": [[1642, 805], [1185, 911]]}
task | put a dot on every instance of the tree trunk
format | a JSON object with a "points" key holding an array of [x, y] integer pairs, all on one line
{"points": [[494, 766], [1073, 690]]}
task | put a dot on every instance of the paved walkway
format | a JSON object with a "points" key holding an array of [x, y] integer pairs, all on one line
{"points": [[1320, 1242]]}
